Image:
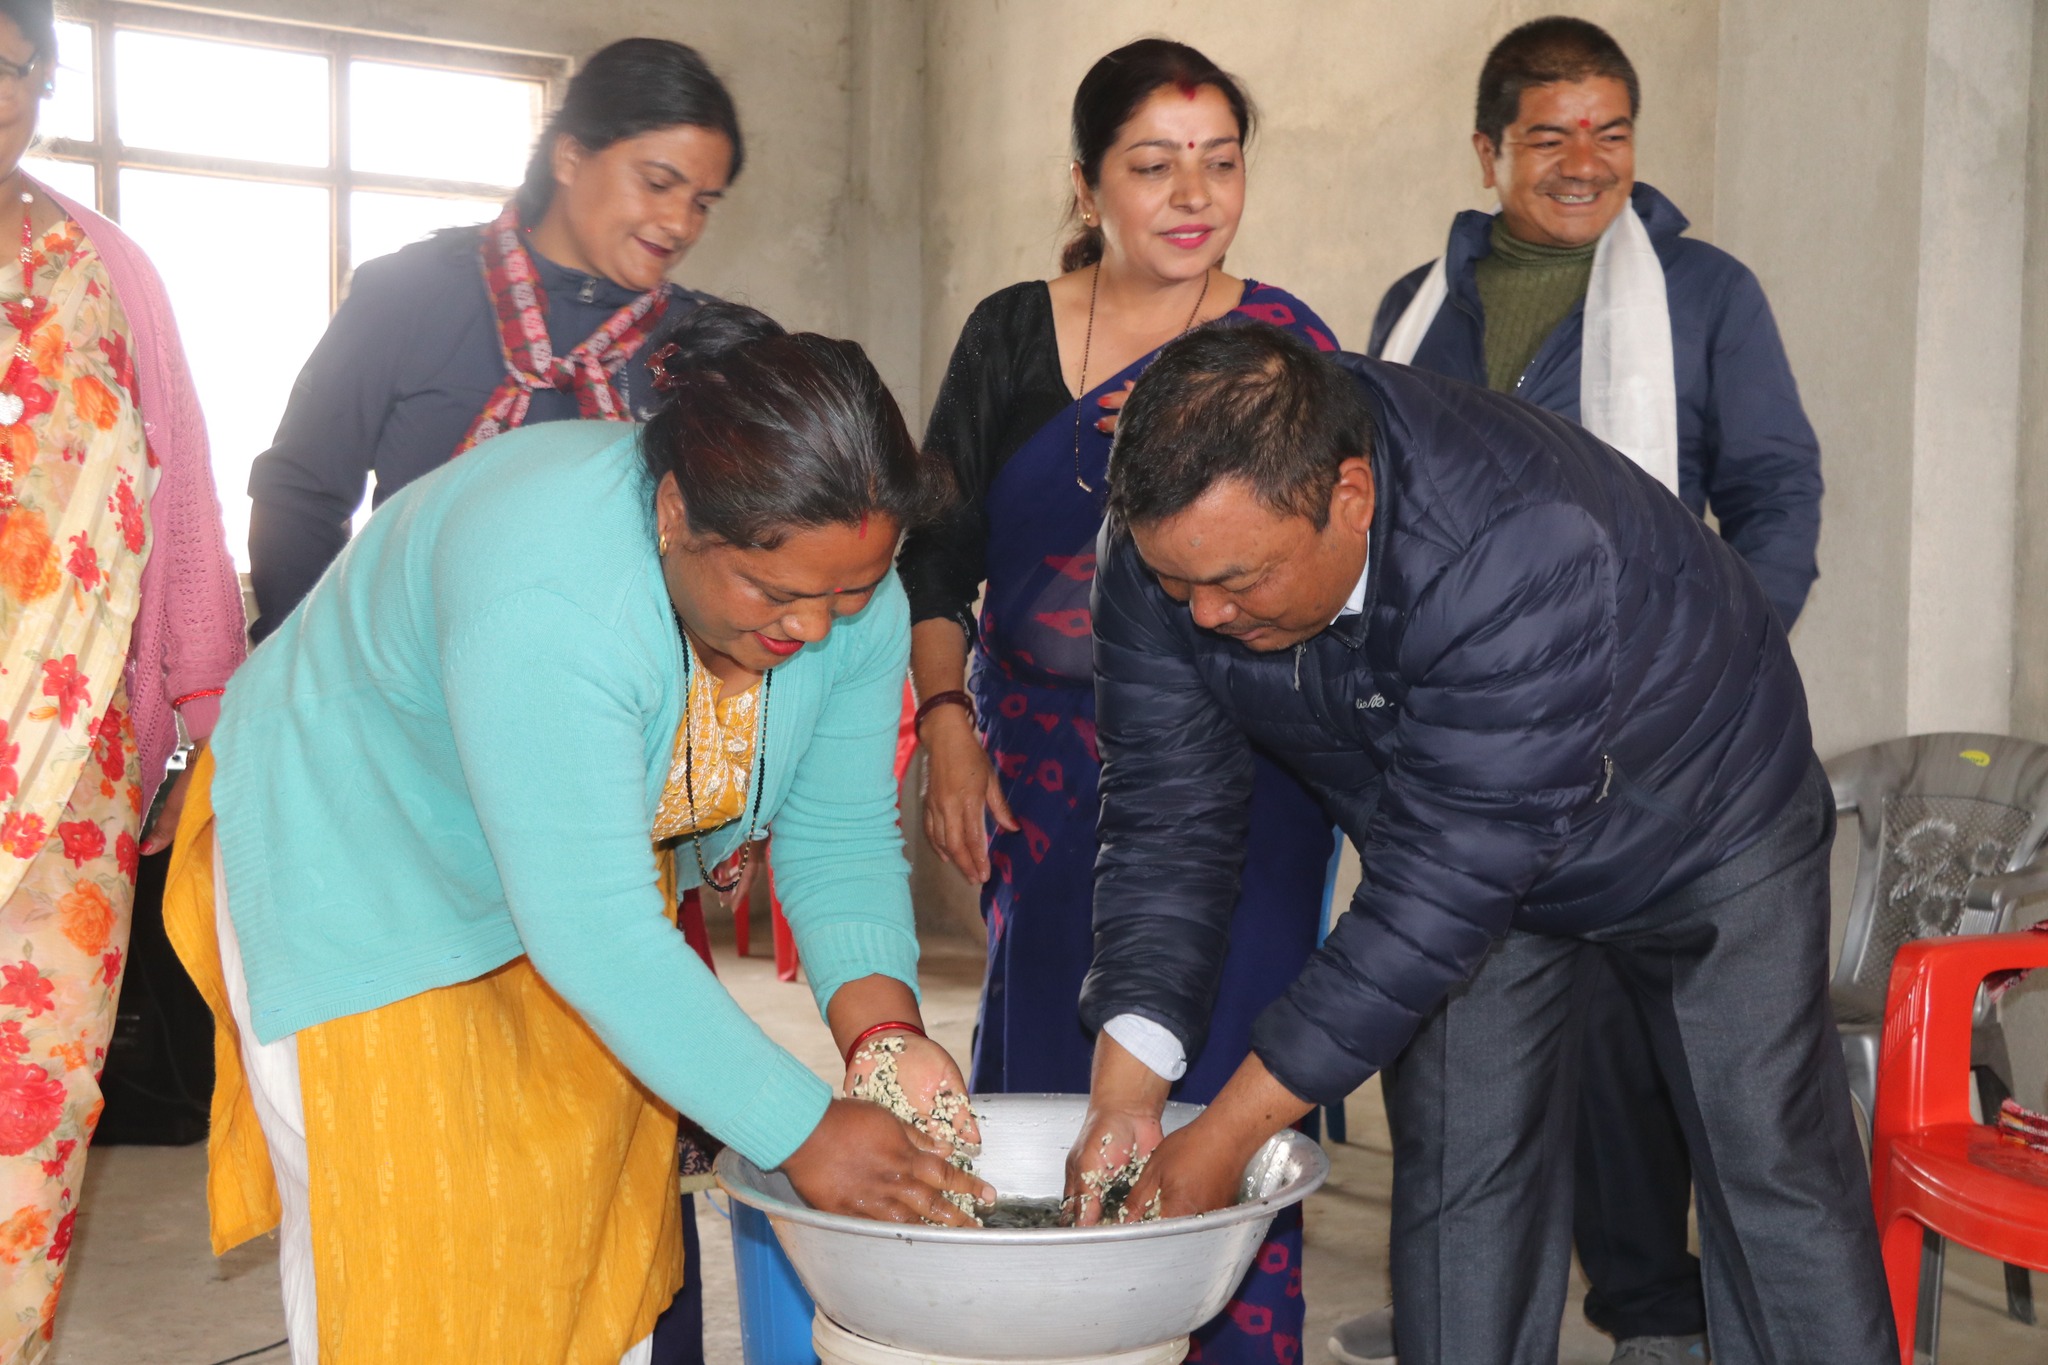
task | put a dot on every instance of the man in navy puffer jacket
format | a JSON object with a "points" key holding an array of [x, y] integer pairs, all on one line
{"points": [[1555, 124], [1553, 710]]}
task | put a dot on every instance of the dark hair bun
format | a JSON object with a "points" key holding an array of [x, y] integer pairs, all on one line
{"points": [[766, 431], [705, 337]]}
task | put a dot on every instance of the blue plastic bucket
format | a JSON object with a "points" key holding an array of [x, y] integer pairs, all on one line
{"points": [[775, 1312]]}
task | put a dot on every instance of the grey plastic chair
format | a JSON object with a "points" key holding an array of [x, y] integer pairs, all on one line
{"points": [[1951, 833], [1951, 829]]}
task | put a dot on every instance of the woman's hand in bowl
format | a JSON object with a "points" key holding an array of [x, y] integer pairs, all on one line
{"points": [[930, 1081], [863, 1161]]}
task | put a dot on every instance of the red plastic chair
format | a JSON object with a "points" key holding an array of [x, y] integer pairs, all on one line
{"points": [[1936, 1175], [778, 926], [778, 923]]}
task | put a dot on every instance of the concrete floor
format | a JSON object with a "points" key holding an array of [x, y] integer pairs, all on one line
{"points": [[143, 1289]]}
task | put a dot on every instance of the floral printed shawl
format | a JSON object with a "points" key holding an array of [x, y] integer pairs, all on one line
{"points": [[72, 551]]}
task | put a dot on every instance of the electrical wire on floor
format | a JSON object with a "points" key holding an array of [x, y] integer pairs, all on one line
{"points": [[259, 1351]]}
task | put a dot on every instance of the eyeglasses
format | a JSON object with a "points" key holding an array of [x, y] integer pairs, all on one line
{"points": [[17, 78]]}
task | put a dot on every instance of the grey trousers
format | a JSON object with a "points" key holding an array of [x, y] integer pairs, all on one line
{"points": [[1731, 973]]}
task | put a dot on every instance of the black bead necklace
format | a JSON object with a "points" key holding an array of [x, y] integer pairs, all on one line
{"points": [[759, 776], [1088, 347]]}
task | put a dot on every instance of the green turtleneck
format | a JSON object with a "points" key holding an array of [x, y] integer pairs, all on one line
{"points": [[1525, 290]]}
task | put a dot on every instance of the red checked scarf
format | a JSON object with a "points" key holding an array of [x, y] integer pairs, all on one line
{"points": [[530, 359]]}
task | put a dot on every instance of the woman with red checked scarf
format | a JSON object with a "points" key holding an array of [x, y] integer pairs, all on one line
{"points": [[549, 313], [543, 315]]}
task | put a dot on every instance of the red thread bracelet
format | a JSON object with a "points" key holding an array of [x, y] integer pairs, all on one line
{"points": [[874, 1029], [178, 702], [938, 699]]}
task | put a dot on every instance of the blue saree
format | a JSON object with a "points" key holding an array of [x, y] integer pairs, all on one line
{"points": [[1033, 684]]}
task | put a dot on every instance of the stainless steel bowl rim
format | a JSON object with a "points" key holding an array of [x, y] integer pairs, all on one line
{"points": [[1265, 1207]]}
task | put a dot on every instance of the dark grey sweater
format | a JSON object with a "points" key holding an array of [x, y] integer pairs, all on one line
{"points": [[411, 358]]}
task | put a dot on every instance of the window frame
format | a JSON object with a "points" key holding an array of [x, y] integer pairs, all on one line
{"points": [[340, 45]]}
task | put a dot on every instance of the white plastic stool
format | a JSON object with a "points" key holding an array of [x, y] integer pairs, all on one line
{"points": [[837, 1346]]}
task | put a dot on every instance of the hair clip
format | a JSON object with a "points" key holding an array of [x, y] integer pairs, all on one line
{"points": [[665, 379]]}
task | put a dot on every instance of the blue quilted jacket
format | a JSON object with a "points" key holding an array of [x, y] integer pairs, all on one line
{"points": [[1745, 448], [1565, 698]]}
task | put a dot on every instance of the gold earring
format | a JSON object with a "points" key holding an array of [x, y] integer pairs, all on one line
{"points": [[661, 544], [1087, 220]]}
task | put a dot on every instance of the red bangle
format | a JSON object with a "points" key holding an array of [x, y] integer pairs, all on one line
{"points": [[941, 699], [178, 703], [874, 1029]]}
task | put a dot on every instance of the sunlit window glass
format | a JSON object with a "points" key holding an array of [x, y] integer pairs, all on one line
{"points": [[444, 125], [68, 110], [220, 99], [233, 140], [197, 229], [379, 224]]}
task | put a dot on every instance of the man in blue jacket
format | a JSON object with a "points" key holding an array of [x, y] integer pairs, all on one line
{"points": [[1559, 718], [1514, 304]]}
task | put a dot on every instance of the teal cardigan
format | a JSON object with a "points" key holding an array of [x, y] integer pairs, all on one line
{"points": [[450, 755]]}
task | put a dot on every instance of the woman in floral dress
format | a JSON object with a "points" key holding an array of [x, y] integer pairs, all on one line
{"points": [[107, 516]]}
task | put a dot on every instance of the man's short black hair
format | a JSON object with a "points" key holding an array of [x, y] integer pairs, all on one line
{"points": [[1543, 52], [1248, 402]]}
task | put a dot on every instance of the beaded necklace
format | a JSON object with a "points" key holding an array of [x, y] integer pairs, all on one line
{"points": [[1088, 345], [12, 404]]}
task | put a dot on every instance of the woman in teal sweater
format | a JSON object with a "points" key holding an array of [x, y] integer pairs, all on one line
{"points": [[433, 908]]}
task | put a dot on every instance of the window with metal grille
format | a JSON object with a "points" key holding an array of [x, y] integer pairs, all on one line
{"points": [[258, 160]]}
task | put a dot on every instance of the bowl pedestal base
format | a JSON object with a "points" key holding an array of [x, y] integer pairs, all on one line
{"points": [[837, 1346]]}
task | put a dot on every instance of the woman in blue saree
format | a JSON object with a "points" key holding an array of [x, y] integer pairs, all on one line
{"points": [[1159, 134]]}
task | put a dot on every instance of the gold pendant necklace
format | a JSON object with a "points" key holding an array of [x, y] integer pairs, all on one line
{"points": [[760, 778]]}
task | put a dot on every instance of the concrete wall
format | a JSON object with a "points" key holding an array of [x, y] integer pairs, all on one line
{"points": [[1841, 273], [1873, 168], [1966, 397], [1362, 156]]}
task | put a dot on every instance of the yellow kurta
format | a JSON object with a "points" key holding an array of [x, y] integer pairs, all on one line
{"points": [[487, 1182]]}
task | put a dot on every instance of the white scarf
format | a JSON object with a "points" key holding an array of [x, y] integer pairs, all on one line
{"points": [[1628, 393]]}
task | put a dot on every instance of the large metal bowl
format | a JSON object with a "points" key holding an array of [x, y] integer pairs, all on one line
{"points": [[1030, 1293]]}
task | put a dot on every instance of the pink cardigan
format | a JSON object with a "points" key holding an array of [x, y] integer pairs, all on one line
{"points": [[190, 633]]}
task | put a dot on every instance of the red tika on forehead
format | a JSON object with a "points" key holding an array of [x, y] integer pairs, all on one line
{"points": [[1188, 89], [1585, 123], [863, 531]]}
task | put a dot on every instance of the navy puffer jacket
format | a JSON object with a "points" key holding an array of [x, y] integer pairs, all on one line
{"points": [[1565, 698]]}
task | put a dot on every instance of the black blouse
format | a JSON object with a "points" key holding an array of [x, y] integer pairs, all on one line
{"points": [[1002, 384]]}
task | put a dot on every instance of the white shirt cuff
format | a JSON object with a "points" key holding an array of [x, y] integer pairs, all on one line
{"points": [[1151, 1043]]}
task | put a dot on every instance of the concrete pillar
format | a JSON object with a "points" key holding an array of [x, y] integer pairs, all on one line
{"points": [[2030, 591], [1872, 170], [1966, 391]]}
